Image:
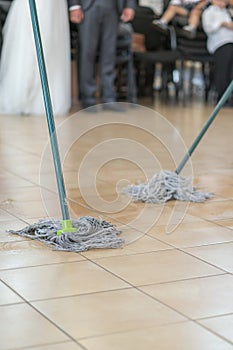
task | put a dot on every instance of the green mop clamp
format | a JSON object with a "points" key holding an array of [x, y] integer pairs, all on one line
{"points": [[66, 223], [169, 185]]}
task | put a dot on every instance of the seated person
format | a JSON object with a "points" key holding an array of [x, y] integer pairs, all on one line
{"points": [[218, 25], [191, 8], [146, 12], [155, 5]]}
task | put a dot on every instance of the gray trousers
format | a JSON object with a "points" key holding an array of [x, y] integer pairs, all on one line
{"points": [[98, 36]]}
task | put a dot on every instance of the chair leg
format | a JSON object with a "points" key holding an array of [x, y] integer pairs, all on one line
{"points": [[140, 77], [182, 84], [207, 71], [131, 81]]}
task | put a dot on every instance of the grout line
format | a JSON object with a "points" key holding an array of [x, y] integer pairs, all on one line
{"points": [[206, 262], [130, 286], [132, 330], [43, 345], [215, 333], [183, 280], [217, 316], [44, 316], [193, 320]]}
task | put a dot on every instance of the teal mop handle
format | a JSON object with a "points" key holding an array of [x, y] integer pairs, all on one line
{"points": [[49, 111], [205, 127]]}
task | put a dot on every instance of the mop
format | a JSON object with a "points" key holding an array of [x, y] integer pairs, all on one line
{"points": [[168, 185], [68, 235]]}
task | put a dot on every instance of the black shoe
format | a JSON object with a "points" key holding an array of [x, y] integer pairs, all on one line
{"points": [[113, 106]]}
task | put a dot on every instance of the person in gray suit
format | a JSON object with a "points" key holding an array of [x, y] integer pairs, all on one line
{"points": [[98, 26]]}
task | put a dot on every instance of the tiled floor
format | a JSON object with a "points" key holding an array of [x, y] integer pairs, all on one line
{"points": [[170, 286]]}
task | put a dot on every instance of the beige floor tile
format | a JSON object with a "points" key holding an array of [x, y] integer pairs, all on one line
{"points": [[32, 253], [8, 296], [215, 210], [50, 208], [204, 161], [144, 217], [14, 224], [135, 242], [59, 280], [22, 327], [225, 223], [26, 168], [197, 298], [192, 234], [181, 336], [157, 267], [9, 180], [60, 346], [140, 216], [107, 312], [78, 210], [8, 150], [224, 192], [33, 193], [104, 201], [220, 255], [111, 173], [221, 325], [35, 209], [216, 181], [120, 169], [4, 216]]}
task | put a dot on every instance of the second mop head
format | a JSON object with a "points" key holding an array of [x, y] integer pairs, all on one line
{"points": [[165, 186]]}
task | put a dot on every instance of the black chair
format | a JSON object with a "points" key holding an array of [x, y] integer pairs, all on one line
{"points": [[125, 73], [145, 65], [194, 50], [160, 49]]}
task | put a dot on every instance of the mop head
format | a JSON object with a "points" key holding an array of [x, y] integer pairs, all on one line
{"points": [[165, 186], [91, 233]]}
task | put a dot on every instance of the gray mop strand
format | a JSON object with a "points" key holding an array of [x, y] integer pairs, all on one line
{"points": [[165, 186], [69, 235], [91, 233], [170, 185]]}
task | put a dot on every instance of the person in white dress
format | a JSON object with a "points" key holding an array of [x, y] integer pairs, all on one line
{"points": [[20, 86]]}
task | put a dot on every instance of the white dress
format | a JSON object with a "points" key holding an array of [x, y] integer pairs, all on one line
{"points": [[20, 86]]}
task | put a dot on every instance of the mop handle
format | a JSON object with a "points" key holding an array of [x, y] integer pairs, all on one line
{"points": [[49, 111], [205, 127]]}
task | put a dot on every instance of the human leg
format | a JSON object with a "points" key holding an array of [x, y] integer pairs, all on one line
{"points": [[89, 32], [168, 15], [195, 14], [172, 11], [223, 58], [194, 19], [107, 58]]}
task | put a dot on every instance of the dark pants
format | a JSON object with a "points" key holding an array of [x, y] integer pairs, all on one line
{"points": [[142, 23], [223, 58], [98, 37]]}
